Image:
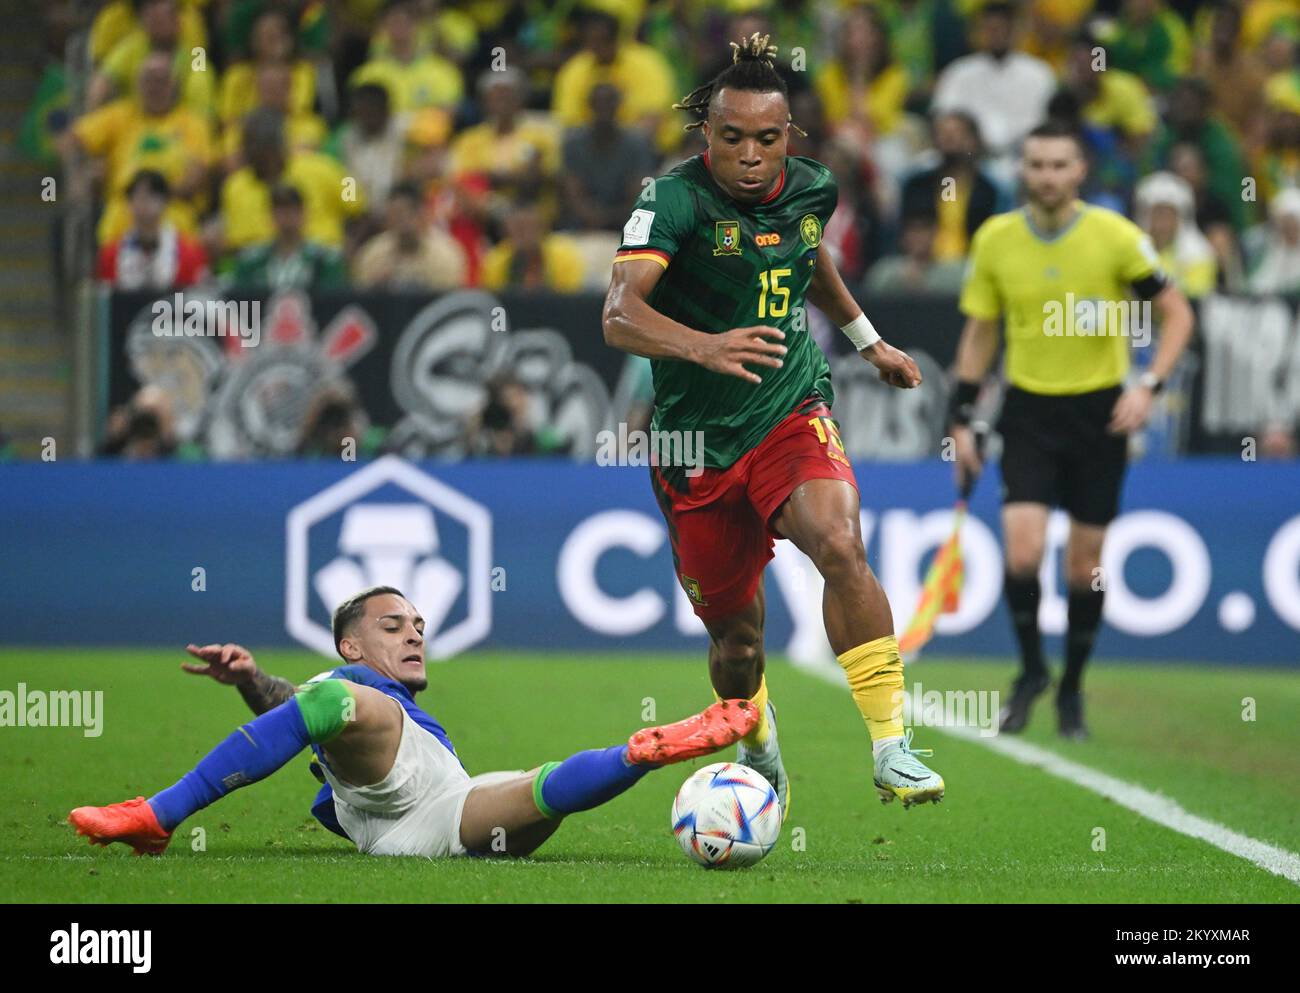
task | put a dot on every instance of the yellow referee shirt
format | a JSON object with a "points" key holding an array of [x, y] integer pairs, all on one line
{"points": [[1069, 301]]}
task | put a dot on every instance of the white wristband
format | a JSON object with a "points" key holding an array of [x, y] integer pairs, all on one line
{"points": [[860, 332]]}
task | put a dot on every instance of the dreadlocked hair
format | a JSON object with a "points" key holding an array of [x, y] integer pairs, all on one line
{"points": [[753, 67]]}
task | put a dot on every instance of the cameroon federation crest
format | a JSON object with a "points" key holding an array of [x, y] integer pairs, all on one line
{"points": [[727, 236], [810, 230], [693, 590]]}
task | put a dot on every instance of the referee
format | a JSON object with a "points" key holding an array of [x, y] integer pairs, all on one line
{"points": [[1073, 283]]}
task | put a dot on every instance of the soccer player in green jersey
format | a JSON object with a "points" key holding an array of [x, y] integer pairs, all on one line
{"points": [[1075, 285], [710, 284]]}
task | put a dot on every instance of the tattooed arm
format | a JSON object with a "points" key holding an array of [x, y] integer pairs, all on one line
{"points": [[264, 692], [233, 665]]}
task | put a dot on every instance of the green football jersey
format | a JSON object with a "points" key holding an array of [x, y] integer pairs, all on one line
{"points": [[731, 265]]}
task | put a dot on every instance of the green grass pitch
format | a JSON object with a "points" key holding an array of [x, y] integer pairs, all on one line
{"points": [[1005, 833]]}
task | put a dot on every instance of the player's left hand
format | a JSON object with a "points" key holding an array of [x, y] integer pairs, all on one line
{"points": [[1131, 410], [896, 367]]}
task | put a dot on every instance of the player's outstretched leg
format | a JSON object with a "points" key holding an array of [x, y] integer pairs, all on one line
{"points": [[516, 815], [736, 668], [317, 714], [821, 518], [1024, 526]]}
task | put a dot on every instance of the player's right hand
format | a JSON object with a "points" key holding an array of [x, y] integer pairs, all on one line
{"points": [[230, 664], [969, 464], [728, 352]]}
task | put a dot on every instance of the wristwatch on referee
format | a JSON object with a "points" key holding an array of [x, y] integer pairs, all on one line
{"points": [[1151, 381]]}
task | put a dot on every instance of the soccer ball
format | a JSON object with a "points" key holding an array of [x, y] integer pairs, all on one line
{"points": [[726, 816]]}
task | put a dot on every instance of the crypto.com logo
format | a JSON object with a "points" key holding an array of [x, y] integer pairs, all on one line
{"points": [[388, 543]]}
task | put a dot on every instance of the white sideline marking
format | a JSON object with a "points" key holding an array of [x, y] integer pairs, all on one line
{"points": [[1164, 810]]}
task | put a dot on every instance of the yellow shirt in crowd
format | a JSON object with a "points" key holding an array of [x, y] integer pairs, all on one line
{"points": [[129, 140], [246, 201], [561, 265], [427, 81]]}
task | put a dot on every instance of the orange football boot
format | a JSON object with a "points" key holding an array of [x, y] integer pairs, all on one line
{"points": [[716, 726], [131, 822]]}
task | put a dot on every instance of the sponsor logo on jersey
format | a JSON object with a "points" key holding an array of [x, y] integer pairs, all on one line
{"points": [[767, 240], [727, 236], [810, 230]]}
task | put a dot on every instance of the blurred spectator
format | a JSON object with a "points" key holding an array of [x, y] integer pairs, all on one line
{"points": [[1004, 90], [681, 27], [371, 143], [504, 427], [854, 233], [642, 75], [142, 429], [414, 79], [924, 34], [1263, 20], [117, 21], [330, 197], [1277, 50], [1274, 258], [915, 269], [152, 255], [158, 33], [410, 254], [335, 425], [303, 130], [1150, 41], [1212, 216], [452, 34], [312, 28], [1051, 25], [517, 152], [806, 112], [953, 193], [48, 113], [605, 165], [1111, 172], [863, 84], [289, 261], [1110, 99], [1277, 162], [1188, 118], [271, 43], [151, 133], [1166, 210], [1277, 441], [1234, 72], [531, 258]]}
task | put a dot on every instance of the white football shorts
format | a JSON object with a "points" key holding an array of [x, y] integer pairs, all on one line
{"points": [[416, 808]]}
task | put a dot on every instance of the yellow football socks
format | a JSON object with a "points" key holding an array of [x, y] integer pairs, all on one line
{"points": [[758, 737], [875, 671]]}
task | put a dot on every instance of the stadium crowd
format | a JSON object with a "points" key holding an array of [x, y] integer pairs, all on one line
{"points": [[431, 144]]}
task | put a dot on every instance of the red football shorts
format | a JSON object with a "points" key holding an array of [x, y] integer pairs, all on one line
{"points": [[720, 526]]}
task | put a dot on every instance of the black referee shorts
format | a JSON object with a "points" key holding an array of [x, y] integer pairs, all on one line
{"points": [[1056, 451]]}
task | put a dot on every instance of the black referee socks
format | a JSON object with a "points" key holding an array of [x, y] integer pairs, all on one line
{"points": [[1023, 597], [1084, 615]]}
